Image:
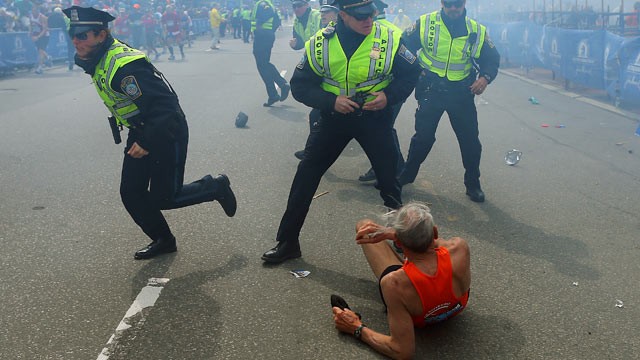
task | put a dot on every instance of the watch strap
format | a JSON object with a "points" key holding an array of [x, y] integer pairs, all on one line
{"points": [[358, 331]]}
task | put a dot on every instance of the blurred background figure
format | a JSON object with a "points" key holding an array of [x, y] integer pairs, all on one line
{"points": [[402, 21]]}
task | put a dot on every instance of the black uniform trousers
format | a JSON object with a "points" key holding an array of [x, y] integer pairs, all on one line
{"points": [[262, 44], [155, 182], [246, 30], [458, 102], [328, 138]]}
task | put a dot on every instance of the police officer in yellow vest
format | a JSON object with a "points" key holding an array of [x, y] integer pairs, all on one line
{"points": [[450, 46], [353, 73], [246, 23], [263, 27], [139, 98], [305, 25]]}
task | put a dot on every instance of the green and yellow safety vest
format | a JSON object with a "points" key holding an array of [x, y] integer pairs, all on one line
{"points": [[246, 14], [121, 106], [447, 57], [313, 25], [368, 69], [267, 25]]}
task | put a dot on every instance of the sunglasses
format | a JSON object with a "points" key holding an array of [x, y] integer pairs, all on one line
{"points": [[81, 36], [362, 17], [457, 4], [298, 5]]}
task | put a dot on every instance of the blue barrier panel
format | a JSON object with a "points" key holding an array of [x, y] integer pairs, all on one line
{"points": [[201, 26], [17, 49], [57, 47], [629, 55], [584, 54]]}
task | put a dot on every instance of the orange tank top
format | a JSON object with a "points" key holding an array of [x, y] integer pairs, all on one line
{"points": [[436, 292]]}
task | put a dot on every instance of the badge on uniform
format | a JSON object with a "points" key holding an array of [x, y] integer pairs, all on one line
{"points": [[130, 87], [375, 53], [406, 54]]}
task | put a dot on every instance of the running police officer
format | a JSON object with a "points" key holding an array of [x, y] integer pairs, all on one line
{"points": [[305, 25], [138, 97], [450, 46], [353, 73], [263, 27]]}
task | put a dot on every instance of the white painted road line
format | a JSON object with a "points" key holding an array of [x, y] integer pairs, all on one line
{"points": [[146, 298]]}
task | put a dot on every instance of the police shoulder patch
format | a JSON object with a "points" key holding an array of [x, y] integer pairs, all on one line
{"points": [[302, 61], [406, 54], [489, 42], [130, 87]]}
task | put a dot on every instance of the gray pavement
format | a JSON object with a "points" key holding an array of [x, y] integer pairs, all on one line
{"points": [[553, 247]]}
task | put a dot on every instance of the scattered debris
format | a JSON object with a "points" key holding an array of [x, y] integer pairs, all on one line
{"points": [[638, 130], [512, 157], [560, 126], [241, 120], [300, 273], [619, 303], [545, 125], [534, 101], [321, 194], [575, 283]]}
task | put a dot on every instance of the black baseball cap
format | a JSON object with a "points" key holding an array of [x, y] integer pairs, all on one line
{"points": [[83, 19]]}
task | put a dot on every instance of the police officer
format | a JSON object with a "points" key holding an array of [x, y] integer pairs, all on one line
{"points": [[305, 25], [353, 73], [263, 27], [381, 18], [139, 98], [449, 46], [246, 23]]}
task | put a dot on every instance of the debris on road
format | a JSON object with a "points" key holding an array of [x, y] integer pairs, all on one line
{"points": [[321, 194], [241, 120], [300, 273], [512, 157], [534, 101], [619, 303]]}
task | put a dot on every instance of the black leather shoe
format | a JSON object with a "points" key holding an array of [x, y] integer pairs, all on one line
{"points": [[283, 251], [225, 195], [339, 302], [475, 194], [299, 154], [271, 101], [284, 93], [370, 175], [158, 247]]}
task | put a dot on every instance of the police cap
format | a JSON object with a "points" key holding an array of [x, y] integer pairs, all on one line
{"points": [[84, 19], [328, 5], [357, 7], [296, 3]]}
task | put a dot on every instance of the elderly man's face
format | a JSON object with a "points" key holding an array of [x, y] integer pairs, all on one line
{"points": [[328, 16], [453, 9]]}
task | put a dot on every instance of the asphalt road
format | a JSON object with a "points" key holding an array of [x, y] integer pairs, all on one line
{"points": [[554, 247]]}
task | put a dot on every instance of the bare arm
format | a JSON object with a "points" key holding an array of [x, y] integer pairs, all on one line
{"points": [[400, 344], [369, 232]]}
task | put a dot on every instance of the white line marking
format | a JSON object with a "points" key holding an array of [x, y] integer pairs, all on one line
{"points": [[146, 298]]}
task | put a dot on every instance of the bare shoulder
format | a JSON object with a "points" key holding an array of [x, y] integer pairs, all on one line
{"points": [[396, 283], [455, 245]]}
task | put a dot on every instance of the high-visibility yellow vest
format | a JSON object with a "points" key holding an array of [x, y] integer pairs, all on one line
{"points": [[246, 14], [450, 58], [313, 25], [368, 69], [120, 106], [267, 25]]}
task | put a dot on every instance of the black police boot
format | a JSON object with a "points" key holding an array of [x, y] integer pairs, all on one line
{"points": [[284, 92], [163, 245], [224, 195], [271, 101], [370, 175], [475, 193], [283, 251]]}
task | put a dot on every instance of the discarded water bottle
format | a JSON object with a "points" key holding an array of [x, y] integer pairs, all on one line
{"points": [[534, 101], [513, 157]]}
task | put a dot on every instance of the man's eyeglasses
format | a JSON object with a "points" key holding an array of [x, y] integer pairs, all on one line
{"points": [[81, 36], [457, 4], [361, 17]]}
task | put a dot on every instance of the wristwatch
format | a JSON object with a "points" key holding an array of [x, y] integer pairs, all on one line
{"points": [[358, 331], [488, 77]]}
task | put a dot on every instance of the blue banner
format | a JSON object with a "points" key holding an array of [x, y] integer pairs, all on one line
{"points": [[17, 49]]}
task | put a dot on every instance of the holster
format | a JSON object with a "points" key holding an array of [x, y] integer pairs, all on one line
{"points": [[115, 129]]}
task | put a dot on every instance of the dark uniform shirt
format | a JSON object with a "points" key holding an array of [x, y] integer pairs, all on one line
{"points": [[264, 12], [489, 59], [160, 111], [306, 84]]}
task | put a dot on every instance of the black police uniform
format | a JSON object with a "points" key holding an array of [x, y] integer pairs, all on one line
{"points": [[331, 134], [153, 182], [263, 40], [436, 95]]}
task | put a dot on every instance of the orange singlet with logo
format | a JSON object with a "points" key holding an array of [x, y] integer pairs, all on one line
{"points": [[436, 292]]}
